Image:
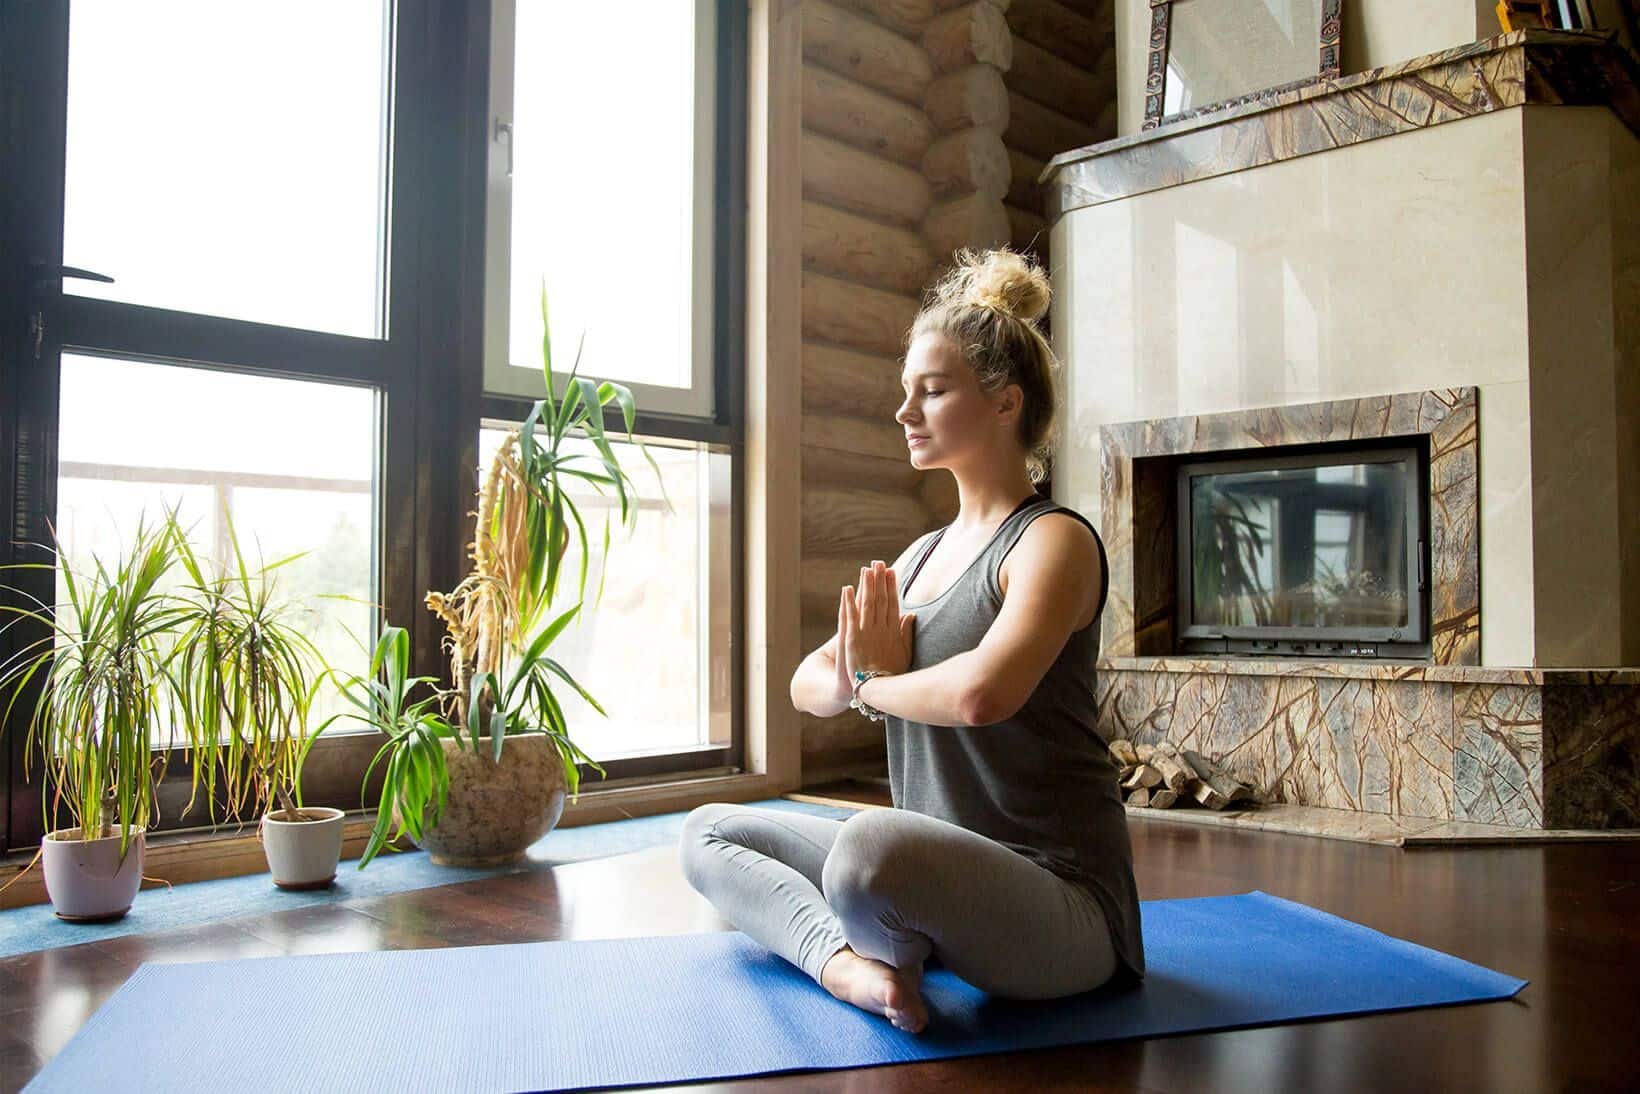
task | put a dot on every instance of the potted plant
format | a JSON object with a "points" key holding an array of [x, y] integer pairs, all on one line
{"points": [[456, 785], [246, 677], [104, 697]]}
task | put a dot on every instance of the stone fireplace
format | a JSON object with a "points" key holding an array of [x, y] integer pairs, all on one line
{"points": [[1444, 254]]}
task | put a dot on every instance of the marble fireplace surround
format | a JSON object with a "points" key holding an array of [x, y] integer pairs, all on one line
{"points": [[1449, 740], [1136, 500]]}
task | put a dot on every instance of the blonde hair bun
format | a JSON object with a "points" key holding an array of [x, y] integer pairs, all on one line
{"points": [[1002, 280]]}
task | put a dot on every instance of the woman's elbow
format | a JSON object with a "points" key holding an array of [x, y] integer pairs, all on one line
{"points": [[985, 704]]}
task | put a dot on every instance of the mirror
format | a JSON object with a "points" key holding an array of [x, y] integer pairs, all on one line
{"points": [[1210, 54]]}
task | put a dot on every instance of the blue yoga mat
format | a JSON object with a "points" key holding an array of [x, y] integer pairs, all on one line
{"points": [[569, 1015]]}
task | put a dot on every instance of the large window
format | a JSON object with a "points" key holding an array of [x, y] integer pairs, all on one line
{"points": [[611, 191], [280, 263], [227, 292]]}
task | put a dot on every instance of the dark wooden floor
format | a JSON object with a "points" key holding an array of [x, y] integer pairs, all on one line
{"points": [[1567, 917]]}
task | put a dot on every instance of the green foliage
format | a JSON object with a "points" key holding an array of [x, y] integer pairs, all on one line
{"points": [[245, 677], [105, 685]]}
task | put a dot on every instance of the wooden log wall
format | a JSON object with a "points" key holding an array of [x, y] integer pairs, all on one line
{"points": [[904, 107], [1061, 95], [921, 134]]}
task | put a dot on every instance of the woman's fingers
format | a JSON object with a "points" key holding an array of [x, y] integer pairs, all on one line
{"points": [[891, 597], [868, 607]]}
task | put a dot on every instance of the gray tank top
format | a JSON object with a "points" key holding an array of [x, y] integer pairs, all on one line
{"points": [[1041, 783]]}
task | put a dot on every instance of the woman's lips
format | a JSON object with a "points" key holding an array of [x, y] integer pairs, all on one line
{"points": [[914, 440]]}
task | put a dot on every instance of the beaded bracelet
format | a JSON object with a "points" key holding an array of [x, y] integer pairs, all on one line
{"points": [[860, 677]]}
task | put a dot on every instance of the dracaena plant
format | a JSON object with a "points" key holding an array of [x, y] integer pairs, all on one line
{"points": [[499, 620], [102, 715], [246, 676]]}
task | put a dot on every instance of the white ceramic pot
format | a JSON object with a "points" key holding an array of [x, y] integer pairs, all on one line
{"points": [[302, 854], [87, 879], [495, 811]]}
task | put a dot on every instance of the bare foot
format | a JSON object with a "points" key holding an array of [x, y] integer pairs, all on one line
{"points": [[873, 986]]}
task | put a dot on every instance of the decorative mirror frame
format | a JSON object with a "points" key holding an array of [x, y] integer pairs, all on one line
{"points": [[1156, 73]]}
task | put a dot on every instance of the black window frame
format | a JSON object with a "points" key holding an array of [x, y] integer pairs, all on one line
{"points": [[428, 369]]}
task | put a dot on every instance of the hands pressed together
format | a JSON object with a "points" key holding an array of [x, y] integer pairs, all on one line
{"points": [[873, 634]]}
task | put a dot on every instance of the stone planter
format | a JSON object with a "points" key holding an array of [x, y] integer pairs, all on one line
{"points": [[302, 854], [495, 811], [86, 879]]}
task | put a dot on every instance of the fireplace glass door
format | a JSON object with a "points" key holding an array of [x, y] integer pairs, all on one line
{"points": [[1318, 553]]}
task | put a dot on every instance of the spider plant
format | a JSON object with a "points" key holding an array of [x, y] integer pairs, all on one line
{"points": [[102, 716], [245, 679], [496, 618], [497, 624]]}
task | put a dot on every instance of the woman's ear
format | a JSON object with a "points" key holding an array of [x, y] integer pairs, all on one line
{"points": [[1010, 400]]}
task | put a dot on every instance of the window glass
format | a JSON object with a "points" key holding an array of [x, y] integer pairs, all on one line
{"points": [[292, 461], [230, 159], [643, 651]]}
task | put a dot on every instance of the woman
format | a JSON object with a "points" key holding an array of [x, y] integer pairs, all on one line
{"points": [[1006, 856]]}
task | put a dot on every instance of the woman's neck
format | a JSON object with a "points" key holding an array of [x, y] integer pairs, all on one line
{"points": [[985, 500]]}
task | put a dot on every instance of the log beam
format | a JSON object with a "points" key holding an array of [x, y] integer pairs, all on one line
{"points": [[884, 439], [1072, 90], [1073, 35], [974, 220], [969, 159], [974, 95], [851, 112], [859, 249], [855, 316], [843, 176], [1042, 132], [842, 381], [976, 33], [907, 17], [862, 50]]}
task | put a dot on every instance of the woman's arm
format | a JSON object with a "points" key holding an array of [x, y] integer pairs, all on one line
{"points": [[1053, 580]]}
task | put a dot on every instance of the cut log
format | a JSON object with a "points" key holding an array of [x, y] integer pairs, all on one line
{"points": [[975, 33], [1073, 90], [841, 381], [1143, 776], [1144, 752], [843, 176], [856, 114], [862, 50], [907, 17], [1217, 787], [855, 316], [1072, 35], [1163, 799], [1176, 771], [1023, 189], [1122, 749], [1139, 798], [974, 220], [859, 249], [865, 436], [971, 96], [969, 159], [1042, 132]]}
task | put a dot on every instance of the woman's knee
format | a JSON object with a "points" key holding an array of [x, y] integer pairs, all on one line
{"points": [[871, 862], [698, 830]]}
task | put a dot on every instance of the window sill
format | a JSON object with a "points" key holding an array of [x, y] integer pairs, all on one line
{"points": [[202, 855]]}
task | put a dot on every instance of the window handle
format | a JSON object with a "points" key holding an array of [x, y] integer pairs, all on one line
{"points": [[503, 128], [46, 275]]}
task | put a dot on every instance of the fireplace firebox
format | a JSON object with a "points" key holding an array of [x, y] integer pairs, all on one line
{"points": [[1318, 553]]}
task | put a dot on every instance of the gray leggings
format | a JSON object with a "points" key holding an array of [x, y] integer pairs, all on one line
{"points": [[898, 887]]}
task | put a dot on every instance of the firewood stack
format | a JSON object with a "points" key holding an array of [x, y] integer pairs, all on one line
{"points": [[1162, 776]]}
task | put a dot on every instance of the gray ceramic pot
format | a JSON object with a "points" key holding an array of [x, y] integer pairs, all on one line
{"points": [[495, 811], [86, 879]]}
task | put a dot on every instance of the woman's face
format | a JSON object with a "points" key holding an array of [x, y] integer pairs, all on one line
{"points": [[949, 420]]}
